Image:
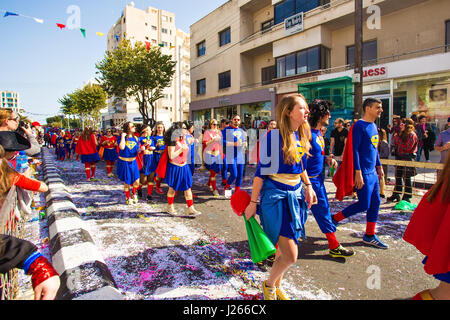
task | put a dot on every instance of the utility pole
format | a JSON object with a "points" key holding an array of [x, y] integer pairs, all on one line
{"points": [[358, 77]]}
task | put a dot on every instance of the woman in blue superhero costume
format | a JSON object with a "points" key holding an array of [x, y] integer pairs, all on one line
{"points": [[178, 175], [278, 180], [127, 167], [158, 142], [148, 167], [319, 116]]}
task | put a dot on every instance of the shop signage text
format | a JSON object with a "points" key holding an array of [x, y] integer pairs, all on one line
{"points": [[293, 24], [373, 73]]}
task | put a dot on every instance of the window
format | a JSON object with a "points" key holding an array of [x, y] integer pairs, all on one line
{"points": [[447, 35], [308, 60], [224, 80], [154, 28], [369, 52], [163, 30], [201, 86], [266, 26], [201, 48], [164, 18], [288, 8], [224, 37], [267, 74]]}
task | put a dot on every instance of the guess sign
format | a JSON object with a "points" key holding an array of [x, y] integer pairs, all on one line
{"points": [[375, 73]]}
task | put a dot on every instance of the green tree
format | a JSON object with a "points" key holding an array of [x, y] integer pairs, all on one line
{"points": [[136, 72]]}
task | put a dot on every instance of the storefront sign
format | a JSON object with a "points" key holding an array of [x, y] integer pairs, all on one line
{"points": [[293, 24], [375, 73], [224, 102]]}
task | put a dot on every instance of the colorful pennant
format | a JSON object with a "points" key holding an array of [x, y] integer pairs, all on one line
{"points": [[61, 26], [83, 31], [100, 34], [7, 13]]}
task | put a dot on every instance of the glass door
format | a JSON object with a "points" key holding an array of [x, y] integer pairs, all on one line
{"points": [[384, 120]]}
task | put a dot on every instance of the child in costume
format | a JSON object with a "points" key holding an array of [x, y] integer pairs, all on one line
{"points": [[362, 160], [60, 149], [148, 166], [428, 231], [319, 117], [158, 140], [173, 167], [109, 144], [278, 181], [67, 141], [212, 154], [87, 148], [73, 144], [235, 140], [127, 167]]}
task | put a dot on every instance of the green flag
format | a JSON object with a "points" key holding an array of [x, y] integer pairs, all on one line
{"points": [[83, 31]]}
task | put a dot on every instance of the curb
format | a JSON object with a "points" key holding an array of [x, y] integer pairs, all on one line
{"points": [[84, 274]]}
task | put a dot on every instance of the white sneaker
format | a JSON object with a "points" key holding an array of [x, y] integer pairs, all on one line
{"points": [[171, 210], [135, 199], [192, 212]]}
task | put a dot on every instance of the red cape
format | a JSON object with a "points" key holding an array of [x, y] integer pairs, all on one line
{"points": [[343, 179], [162, 165], [86, 147], [428, 231]]}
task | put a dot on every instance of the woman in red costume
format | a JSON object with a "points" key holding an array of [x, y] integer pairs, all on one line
{"points": [[109, 143], [87, 148], [428, 231]]}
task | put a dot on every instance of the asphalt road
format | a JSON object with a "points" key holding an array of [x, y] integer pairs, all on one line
{"points": [[156, 256]]}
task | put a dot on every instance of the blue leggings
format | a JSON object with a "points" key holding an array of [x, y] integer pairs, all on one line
{"points": [[368, 199], [236, 173], [321, 210]]}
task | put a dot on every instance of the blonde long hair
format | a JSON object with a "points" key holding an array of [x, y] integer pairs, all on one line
{"points": [[6, 175], [285, 106]]}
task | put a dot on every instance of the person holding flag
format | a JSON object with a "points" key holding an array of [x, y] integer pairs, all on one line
{"points": [[318, 118], [278, 182], [362, 161]]}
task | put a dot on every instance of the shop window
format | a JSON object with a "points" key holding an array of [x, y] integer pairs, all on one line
{"points": [[224, 80], [201, 86], [224, 37], [254, 113], [201, 48], [370, 53]]}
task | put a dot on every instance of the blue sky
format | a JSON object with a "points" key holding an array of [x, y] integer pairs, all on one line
{"points": [[43, 63]]}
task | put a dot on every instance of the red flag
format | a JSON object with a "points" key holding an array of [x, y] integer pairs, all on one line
{"points": [[61, 26], [147, 44], [343, 179]]}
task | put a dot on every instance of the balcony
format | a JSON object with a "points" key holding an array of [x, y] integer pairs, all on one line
{"points": [[332, 16]]}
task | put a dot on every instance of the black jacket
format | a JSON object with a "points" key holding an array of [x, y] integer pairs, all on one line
{"points": [[14, 252]]}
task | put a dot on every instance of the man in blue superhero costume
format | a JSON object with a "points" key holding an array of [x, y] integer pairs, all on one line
{"points": [[362, 149], [235, 140], [319, 116]]}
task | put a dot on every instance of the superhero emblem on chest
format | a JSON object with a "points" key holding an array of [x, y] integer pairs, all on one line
{"points": [[130, 144], [375, 140], [300, 153], [237, 134], [321, 142]]}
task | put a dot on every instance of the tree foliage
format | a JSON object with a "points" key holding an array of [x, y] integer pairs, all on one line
{"points": [[136, 72]]}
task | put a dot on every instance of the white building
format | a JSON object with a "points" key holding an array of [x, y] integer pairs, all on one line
{"points": [[156, 27]]}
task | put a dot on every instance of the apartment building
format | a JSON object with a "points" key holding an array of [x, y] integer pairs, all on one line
{"points": [[247, 54], [10, 99], [157, 28]]}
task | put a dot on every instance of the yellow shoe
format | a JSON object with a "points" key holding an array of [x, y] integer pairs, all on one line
{"points": [[268, 292], [281, 295]]}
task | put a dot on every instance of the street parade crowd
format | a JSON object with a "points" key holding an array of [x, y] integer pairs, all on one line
{"points": [[291, 156]]}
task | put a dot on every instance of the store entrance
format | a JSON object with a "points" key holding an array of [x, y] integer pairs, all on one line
{"points": [[383, 121]]}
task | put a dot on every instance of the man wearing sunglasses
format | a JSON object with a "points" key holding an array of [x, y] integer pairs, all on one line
{"points": [[235, 140]]}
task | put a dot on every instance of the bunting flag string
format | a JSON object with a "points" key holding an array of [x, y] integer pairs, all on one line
{"points": [[41, 21]]}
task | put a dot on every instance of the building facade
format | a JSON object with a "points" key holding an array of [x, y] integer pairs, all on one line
{"points": [[154, 27], [247, 54], [10, 99]]}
